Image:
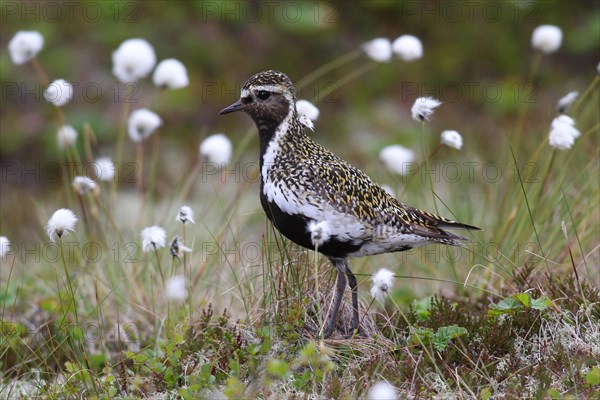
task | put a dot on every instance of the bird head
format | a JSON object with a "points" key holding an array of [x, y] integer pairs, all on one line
{"points": [[269, 97]]}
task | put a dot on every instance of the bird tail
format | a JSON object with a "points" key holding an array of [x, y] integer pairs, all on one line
{"points": [[458, 225]]}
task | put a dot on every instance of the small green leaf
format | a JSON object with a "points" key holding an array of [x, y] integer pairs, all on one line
{"points": [[422, 307], [485, 394], [185, 393], [421, 336], [593, 377], [541, 304], [505, 306], [234, 367], [278, 368], [445, 334], [524, 298], [553, 393]]}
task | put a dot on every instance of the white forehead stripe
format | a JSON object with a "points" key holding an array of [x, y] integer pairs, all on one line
{"points": [[269, 88]]}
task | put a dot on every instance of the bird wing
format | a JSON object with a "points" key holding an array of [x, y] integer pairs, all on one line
{"points": [[350, 191]]}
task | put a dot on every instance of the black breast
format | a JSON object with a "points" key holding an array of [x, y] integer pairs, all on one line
{"points": [[294, 227]]}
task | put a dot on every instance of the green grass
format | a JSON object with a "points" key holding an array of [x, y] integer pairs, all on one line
{"points": [[515, 313]]}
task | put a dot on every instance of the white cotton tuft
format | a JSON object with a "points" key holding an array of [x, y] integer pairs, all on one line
{"points": [[170, 74], [178, 248], [83, 184], [382, 283], [379, 49], [423, 108], [563, 133], [59, 92], [320, 232], [305, 107], [142, 123], [185, 215], [397, 159], [566, 101], [24, 46], [61, 222], [546, 38], [4, 245], [153, 238], [133, 60], [105, 169], [307, 113], [217, 149], [382, 391], [66, 136], [175, 288], [452, 139], [408, 47]]}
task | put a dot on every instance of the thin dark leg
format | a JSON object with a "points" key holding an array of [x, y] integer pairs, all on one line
{"points": [[339, 293], [353, 287]]}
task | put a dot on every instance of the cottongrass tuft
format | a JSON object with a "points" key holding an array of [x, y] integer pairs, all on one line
{"points": [[105, 169], [382, 283], [382, 391], [563, 133], [175, 288], [408, 47], [546, 38], [133, 60], [61, 223], [423, 108], [452, 139], [66, 136], [397, 159], [170, 74], [153, 238], [24, 46], [379, 49], [185, 215], [83, 184], [217, 149], [307, 113], [566, 101], [178, 248], [320, 232], [142, 123], [4, 244], [59, 92]]}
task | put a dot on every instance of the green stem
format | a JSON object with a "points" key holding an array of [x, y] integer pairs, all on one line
{"points": [[344, 80], [40, 71], [544, 182], [427, 166], [68, 278], [162, 276], [155, 153], [121, 138], [410, 178], [317, 292], [537, 236], [585, 94]]}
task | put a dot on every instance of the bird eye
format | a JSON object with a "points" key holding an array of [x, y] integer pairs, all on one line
{"points": [[263, 94]]}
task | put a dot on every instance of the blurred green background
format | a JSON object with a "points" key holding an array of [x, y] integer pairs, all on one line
{"points": [[476, 57]]}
